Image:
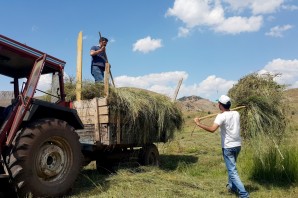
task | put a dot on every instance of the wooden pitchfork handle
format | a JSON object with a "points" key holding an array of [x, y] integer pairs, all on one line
{"points": [[215, 114], [105, 54]]}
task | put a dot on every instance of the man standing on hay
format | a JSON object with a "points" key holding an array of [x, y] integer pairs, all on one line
{"points": [[98, 61], [229, 123]]}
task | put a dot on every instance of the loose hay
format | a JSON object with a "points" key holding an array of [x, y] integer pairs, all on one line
{"points": [[153, 116], [145, 116], [265, 102], [263, 121]]}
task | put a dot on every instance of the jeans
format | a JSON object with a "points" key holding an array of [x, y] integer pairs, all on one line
{"points": [[230, 156], [98, 73]]}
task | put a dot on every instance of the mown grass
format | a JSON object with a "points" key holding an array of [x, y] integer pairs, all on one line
{"points": [[191, 166]]}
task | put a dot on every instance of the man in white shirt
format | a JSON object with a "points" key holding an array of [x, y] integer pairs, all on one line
{"points": [[229, 124]]}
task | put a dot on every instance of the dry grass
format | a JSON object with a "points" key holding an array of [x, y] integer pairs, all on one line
{"points": [[191, 166], [265, 106], [152, 116], [264, 120]]}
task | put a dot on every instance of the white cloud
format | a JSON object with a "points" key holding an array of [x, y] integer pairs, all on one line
{"points": [[211, 87], [256, 6], [288, 70], [166, 83], [44, 82], [196, 12], [265, 6], [147, 44], [223, 15], [183, 32], [234, 25], [278, 31], [290, 7]]}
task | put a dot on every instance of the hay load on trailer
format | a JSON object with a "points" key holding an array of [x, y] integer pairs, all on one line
{"points": [[132, 116], [127, 121], [145, 116]]}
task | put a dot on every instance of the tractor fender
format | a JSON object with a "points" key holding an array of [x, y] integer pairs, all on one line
{"points": [[42, 109]]}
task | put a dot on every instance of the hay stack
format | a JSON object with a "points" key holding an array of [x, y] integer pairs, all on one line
{"points": [[265, 102], [151, 115]]}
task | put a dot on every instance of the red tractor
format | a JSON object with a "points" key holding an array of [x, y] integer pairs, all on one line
{"points": [[40, 150]]}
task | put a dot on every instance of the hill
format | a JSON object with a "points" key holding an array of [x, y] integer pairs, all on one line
{"points": [[5, 97], [292, 96], [196, 103]]}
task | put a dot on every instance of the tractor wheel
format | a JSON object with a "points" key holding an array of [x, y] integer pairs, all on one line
{"points": [[45, 159], [149, 155]]}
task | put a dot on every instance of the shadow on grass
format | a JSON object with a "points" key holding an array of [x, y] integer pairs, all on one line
{"points": [[171, 162], [90, 180], [279, 183]]}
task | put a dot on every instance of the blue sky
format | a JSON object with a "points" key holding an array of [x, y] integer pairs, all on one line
{"points": [[211, 44]]}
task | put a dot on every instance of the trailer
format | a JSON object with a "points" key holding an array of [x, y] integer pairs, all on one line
{"points": [[105, 140]]}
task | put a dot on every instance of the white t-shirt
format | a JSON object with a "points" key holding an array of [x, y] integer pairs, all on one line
{"points": [[229, 123]]}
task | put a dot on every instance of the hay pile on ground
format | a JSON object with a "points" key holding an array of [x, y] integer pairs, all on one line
{"points": [[145, 116]]}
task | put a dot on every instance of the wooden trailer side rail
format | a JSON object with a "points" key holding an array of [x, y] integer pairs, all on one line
{"points": [[95, 116]]}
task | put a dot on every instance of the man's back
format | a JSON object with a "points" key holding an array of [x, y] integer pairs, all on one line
{"points": [[229, 122]]}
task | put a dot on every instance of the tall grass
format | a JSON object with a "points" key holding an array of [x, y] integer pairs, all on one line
{"points": [[276, 168]]}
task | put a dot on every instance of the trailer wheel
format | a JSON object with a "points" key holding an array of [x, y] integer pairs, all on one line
{"points": [[149, 155], [45, 159]]}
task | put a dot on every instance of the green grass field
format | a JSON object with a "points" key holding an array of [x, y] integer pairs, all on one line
{"points": [[192, 166]]}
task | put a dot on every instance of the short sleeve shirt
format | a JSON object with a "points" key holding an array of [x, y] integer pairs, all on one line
{"points": [[229, 123], [98, 60]]}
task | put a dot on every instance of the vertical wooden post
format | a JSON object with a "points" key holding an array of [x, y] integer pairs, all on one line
{"points": [[177, 90], [96, 121], [106, 79], [79, 66], [118, 128]]}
